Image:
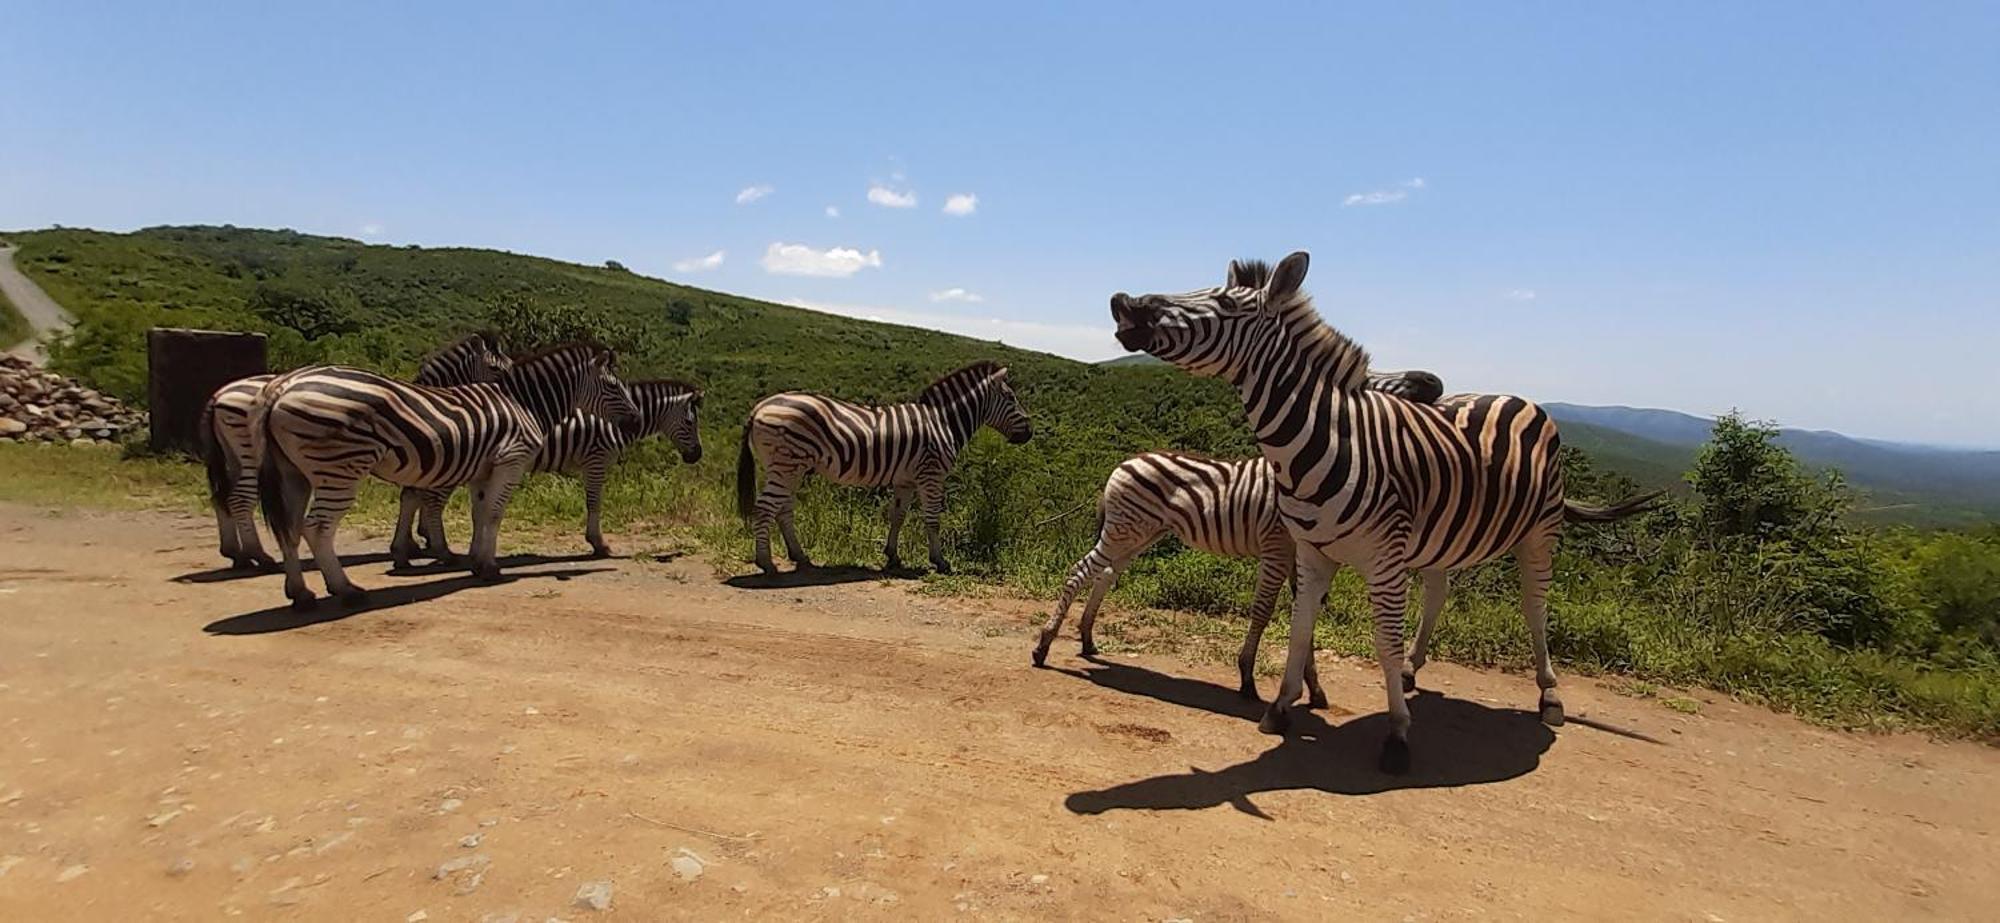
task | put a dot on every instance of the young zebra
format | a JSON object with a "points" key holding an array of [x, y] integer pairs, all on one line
{"points": [[228, 451], [1228, 508], [909, 448], [1383, 485], [326, 428], [582, 443]]}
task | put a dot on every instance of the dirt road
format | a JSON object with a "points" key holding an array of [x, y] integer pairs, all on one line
{"points": [[171, 750], [41, 312]]}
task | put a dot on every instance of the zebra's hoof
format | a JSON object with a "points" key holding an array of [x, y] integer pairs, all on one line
{"points": [[1395, 759], [1089, 649], [600, 551], [770, 569], [486, 574], [1316, 701], [941, 565], [1276, 721], [306, 603], [1248, 690], [1552, 714], [1042, 654], [893, 563], [1409, 682]]}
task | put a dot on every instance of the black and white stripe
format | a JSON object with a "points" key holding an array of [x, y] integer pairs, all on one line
{"points": [[581, 444], [326, 428], [1381, 484], [230, 451], [909, 448], [1229, 508]]}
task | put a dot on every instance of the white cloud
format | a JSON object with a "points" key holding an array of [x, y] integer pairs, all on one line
{"points": [[957, 294], [1519, 294], [965, 203], [1386, 196], [753, 193], [890, 198], [1077, 341], [371, 230], [800, 260], [699, 263], [833, 211]]}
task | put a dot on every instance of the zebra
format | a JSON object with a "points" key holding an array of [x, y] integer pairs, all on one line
{"points": [[230, 456], [909, 448], [584, 443], [1381, 484], [1222, 507], [326, 427]]}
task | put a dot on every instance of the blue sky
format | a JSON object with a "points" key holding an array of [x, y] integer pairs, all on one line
{"points": [[1789, 208]]}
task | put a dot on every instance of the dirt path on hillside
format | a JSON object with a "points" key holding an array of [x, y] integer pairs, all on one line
{"points": [[172, 751], [42, 313]]}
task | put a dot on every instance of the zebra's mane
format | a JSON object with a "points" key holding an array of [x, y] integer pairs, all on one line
{"points": [[668, 386], [482, 337], [576, 347], [964, 379], [1315, 337]]}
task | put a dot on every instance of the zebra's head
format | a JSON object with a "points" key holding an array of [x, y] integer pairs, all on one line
{"points": [[599, 391], [1215, 332], [672, 408], [489, 360], [1005, 413], [474, 359]]}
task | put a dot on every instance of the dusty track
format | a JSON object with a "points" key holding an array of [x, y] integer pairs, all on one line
{"points": [[42, 313], [169, 751]]}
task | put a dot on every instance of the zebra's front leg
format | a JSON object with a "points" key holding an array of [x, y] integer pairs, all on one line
{"points": [[1436, 584], [489, 505], [331, 498], [1537, 568], [1389, 594], [1313, 574], [435, 543], [403, 543], [899, 506], [593, 499], [930, 492]]}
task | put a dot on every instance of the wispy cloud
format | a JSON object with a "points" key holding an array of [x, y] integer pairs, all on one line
{"points": [[1519, 294], [753, 193], [891, 198], [371, 229], [957, 294], [699, 263], [1389, 196], [833, 211], [964, 203], [800, 260], [1077, 341]]}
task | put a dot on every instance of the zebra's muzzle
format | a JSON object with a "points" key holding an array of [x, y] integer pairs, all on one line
{"points": [[1135, 322]]}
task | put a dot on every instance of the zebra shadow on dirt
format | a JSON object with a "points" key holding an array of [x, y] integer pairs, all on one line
{"points": [[1454, 742], [283, 618], [429, 568], [818, 575]]}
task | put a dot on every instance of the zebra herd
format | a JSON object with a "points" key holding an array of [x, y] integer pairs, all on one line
{"points": [[1381, 472]]}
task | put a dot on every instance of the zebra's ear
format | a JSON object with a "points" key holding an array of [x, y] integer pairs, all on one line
{"points": [[1287, 278], [1239, 275]]}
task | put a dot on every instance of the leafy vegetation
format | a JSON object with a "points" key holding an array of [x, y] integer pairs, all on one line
{"points": [[1756, 580]]}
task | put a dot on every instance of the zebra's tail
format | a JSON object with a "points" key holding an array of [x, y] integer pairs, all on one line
{"points": [[746, 477], [1580, 512], [277, 472], [212, 457]]}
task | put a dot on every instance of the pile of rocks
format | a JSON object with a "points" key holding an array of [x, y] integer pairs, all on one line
{"points": [[40, 406]]}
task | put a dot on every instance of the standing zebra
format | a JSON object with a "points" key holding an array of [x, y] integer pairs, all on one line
{"points": [[909, 448], [228, 450], [584, 443], [1228, 508], [326, 427], [1380, 484]]}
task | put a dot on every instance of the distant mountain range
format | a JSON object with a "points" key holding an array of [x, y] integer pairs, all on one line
{"points": [[1900, 482]]}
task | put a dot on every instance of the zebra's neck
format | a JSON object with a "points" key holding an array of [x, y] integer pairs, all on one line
{"points": [[1304, 380], [963, 416]]}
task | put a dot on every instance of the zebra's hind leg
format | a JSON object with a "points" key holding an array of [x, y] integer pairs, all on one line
{"points": [[774, 505], [489, 506], [1274, 566], [435, 544], [331, 499], [1086, 627], [1093, 563], [1537, 568], [242, 506], [899, 507], [1436, 583], [930, 492], [593, 499], [403, 543], [287, 520]]}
